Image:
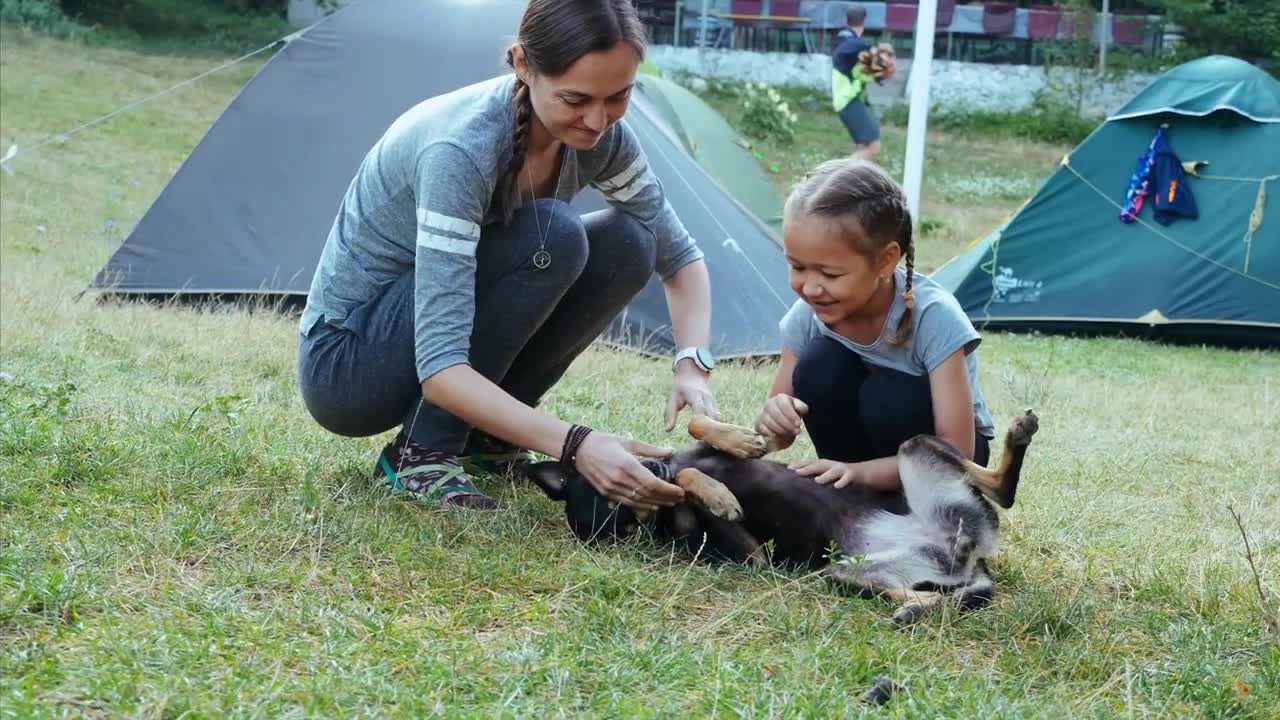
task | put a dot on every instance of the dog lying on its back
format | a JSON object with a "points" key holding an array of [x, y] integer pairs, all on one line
{"points": [[918, 547]]}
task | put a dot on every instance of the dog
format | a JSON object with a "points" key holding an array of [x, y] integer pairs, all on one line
{"points": [[919, 547], [880, 61]]}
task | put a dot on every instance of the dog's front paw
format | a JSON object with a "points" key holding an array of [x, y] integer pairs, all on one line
{"points": [[710, 493], [740, 442], [1022, 428]]}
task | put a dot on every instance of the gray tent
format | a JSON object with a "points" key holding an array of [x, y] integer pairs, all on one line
{"points": [[249, 210]]}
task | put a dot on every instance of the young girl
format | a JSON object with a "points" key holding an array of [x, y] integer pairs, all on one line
{"points": [[873, 354], [457, 284]]}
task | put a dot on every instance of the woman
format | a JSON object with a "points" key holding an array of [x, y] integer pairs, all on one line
{"points": [[457, 285]]}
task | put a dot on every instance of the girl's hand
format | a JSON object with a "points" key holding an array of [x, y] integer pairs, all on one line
{"points": [[690, 389], [780, 421], [610, 465], [825, 471]]}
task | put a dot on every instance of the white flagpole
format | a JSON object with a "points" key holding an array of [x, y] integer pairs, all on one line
{"points": [[918, 115]]}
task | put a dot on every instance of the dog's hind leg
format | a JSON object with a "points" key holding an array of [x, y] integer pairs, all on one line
{"points": [[914, 604], [924, 460], [1001, 484], [979, 592], [733, 541], [719, 513], [735, 440], [870, 580]]}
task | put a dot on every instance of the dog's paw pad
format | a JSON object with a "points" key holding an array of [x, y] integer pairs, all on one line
{"points": [[740, 442], [908, 615], [1022, 428], [743, 444]]}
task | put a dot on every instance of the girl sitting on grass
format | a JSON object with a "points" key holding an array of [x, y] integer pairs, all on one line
{"points": [[873, 354]]}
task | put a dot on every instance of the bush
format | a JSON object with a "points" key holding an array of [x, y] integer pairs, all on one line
{"points": [[766, 115], [1048, 119], [165, 25], [40, 15]]}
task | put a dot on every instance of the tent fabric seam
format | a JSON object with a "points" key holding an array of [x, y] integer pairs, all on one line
{"points": [[1175, 111], [1133, 320]]}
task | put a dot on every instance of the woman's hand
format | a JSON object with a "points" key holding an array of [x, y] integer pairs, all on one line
{"points": [[609, 463], [780, 421], [690, 389], [825, 471]]}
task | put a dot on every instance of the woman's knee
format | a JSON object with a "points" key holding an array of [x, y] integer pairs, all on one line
{"points": [[827, 374], [335, 396], [621, 246], [547, 236]]}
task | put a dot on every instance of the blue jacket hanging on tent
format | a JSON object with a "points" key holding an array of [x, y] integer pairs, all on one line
{"points": [[1159, 168]]}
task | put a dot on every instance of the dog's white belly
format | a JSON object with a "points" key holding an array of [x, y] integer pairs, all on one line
{"points": [[890, 547]]}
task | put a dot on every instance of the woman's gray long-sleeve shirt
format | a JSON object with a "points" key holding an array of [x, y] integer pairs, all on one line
{"points": [[423, 192]]}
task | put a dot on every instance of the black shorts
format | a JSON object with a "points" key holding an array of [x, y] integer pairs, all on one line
{"points": [[861, 122]]}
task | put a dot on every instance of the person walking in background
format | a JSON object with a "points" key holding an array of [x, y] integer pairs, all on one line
{"points": [[849, 80]]}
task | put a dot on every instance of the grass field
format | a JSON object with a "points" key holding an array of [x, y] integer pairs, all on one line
{"points": [[179, 539]]}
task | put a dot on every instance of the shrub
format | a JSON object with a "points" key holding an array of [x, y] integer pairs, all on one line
{"points": [[1048, 119], [1247, 29], [183, 24], [41, 15], [766, 115]]}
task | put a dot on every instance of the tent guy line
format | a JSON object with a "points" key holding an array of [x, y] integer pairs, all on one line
{"points": [[1145, 223], [15, 150]]}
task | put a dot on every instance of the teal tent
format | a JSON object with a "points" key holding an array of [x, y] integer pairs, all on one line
{"points": [[1066, 262]]}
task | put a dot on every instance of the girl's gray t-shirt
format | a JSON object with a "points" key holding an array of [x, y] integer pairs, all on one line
{"points": [[422, 194], [939, 329]]}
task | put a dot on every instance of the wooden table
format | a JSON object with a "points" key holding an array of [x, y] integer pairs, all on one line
{"points": [[802, 23]]}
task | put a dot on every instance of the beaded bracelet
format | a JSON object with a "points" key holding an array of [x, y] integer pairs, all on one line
{"points": [[572, 441]]}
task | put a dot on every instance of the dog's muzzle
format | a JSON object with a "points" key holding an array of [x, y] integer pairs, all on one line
{"points": [[661, 470]]}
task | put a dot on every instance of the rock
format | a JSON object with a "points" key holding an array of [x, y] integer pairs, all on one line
{"points": [[881, 692], [697, 84]]}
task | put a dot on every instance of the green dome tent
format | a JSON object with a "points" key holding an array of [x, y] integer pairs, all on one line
{"points": [[717, 147], [248, 211], [1066, 262]]}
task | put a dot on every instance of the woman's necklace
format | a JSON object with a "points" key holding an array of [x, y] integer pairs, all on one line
{"points": [[542, 258]]}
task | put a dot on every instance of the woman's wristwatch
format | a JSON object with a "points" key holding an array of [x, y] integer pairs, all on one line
{"points": [[701, 357]]}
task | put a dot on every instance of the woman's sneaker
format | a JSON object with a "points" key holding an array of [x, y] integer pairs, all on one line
{"points": [[485, 453], [429, 476]]}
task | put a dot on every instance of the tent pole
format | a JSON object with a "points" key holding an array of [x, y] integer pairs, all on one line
{"points": [[702, 27], [918, 115], [1104, 35]]}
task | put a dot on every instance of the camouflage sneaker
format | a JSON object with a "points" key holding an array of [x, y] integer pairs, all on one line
{"points": [[485, 453], [435, 478]]}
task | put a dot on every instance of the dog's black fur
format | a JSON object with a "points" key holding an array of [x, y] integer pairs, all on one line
{"points": [[930, 541]]}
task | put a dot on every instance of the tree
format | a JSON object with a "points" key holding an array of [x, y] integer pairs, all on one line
{"points": [[1247, 29]]}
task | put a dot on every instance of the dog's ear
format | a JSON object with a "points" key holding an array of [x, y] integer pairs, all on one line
{"points": [[549, 476]]}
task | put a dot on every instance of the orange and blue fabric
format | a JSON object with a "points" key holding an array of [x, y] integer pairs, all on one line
{"points": [[1160, 172]]}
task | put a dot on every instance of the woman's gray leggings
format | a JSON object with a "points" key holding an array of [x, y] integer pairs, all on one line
{"points": [[530, 324]]}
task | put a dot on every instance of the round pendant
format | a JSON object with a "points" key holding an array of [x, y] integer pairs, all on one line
{"points": [[542, 259]]}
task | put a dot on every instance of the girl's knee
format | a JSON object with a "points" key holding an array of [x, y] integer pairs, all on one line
{"points": [[827, 373]]}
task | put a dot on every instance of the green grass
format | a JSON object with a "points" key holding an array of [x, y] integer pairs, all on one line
{"points": [[178, 538]]}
